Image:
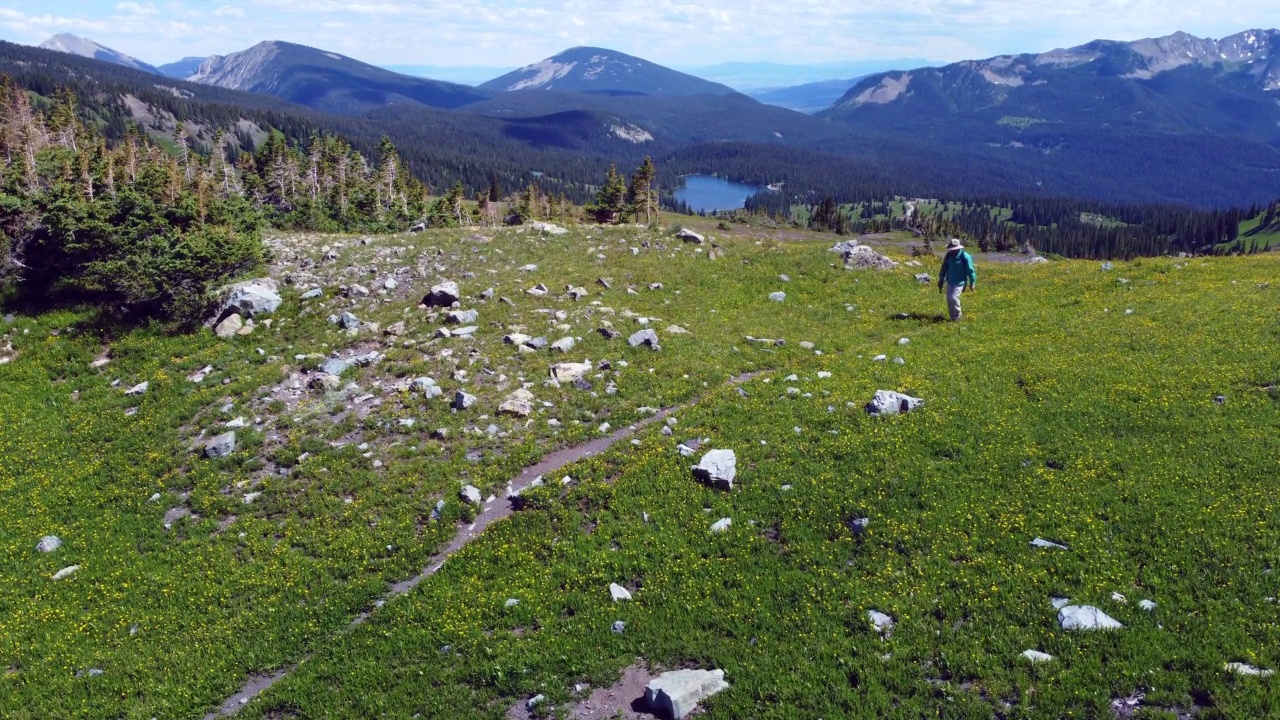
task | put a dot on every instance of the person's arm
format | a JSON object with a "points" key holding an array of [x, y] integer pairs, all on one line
{"points": [[942, 274], [971, 279]]}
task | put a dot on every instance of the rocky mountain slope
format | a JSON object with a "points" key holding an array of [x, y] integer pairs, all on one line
{"points": [[597, 70], [326, 81], [73, 45]]}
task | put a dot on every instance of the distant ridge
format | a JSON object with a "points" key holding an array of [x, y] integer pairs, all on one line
{"points": [[326, 81], [73, 45], [597, 70]]}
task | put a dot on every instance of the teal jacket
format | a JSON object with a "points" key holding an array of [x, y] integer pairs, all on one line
{"points": [[957, 269]]}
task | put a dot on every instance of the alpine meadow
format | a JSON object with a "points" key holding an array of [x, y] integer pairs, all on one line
{"points": [[333, 392]]}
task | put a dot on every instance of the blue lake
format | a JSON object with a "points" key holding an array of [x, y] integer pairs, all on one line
{"points": [[707, 193]]}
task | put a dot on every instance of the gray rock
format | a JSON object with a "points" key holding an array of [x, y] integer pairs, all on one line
{"points": [[49, 543], [619, 627], [518, 403], [1047, 545], [1036, 657], [438, 510], [568, 372], [645, 337], [576, 293], [887, 402], [859, 525], [516, 339], [443, 295], [396, 329], [334, 366], [1086, 617], [881, 622], [463, 400], [618, 593], [676, 694], [65, 572], [467, 331], [138, 389], [221, 446], [228, 328], [470, 494], [390, 284], [255, 297], [433, 392], [421, 384], [349, 321], [924, 278], [462, 317], [357, 290], [312, 294], [200, 375], [536, 343], [564, 344], [778, 296], [538, 290], [547, 228], [367, 359], [609, 333], [1147, 605], [690, 236], [1246, 670], [325, 381], [721, 525], [717, 468]]}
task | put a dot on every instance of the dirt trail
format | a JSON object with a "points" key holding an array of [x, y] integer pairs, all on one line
{"points": [[492, 512]]}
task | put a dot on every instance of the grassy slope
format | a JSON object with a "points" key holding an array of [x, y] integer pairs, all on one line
{"points": [[1159, 492]]}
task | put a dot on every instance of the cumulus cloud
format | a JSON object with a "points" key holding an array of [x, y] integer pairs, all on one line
{"points": [[673, 32]]}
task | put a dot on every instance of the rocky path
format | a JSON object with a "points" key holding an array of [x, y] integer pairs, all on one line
{"points": [[491, 513]]}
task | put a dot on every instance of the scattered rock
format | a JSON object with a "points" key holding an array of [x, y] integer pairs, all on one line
{"points": [[676, 694], [443, 295], [619, 593], [221, 446], [859, 526], [1147, 605], [887, 402], [255, 297], [516, 339], [228, 328], [348, 321], [881, 622], [576, 293], [1036, 657], [518, 403], [65, 572], [200, 375], [395, 329], [646, 337], [311, 294], [619, 627], [690, 236], [564, 344], [609, 333], [1047, 545], [721, 525], [1247, 670], [1086, 617], [463, 400], [777, 296], [547, 228], [924, 278], [138, 389], [717, 468], [49, 543], [470, 494], [568, 372], [325, 381], [537, 290], [462, 317]]}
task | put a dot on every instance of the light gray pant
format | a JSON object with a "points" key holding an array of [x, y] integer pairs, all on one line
{"points": [[953, 300]]}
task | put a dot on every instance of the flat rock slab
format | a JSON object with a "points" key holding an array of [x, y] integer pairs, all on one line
{"points": [[675, 694], [645, 337], [717, 468], [1086, 617]]}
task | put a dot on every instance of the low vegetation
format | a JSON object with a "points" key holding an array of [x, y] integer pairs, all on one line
{"points": [[1129, 414]]}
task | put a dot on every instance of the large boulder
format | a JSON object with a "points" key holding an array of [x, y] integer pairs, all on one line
{"points": [[676, 694], [221, 446], [1086, 617], [887, 402], [255, 297], [717, 468], [548, 228], [443, 295], [857, 255]]}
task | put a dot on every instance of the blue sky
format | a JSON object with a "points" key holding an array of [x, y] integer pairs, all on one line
{"points": [[672, 32]]}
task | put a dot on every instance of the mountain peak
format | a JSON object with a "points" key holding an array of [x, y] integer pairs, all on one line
{"points": [[603, 71], [84, 47]]}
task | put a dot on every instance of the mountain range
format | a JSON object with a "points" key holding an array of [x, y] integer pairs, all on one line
{"points": [[1173, 119]]}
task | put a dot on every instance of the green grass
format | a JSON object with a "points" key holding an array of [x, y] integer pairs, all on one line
{"points": [[1050, 412]]}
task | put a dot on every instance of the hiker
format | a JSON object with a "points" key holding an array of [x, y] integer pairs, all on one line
{"points": [[958, 275]]}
